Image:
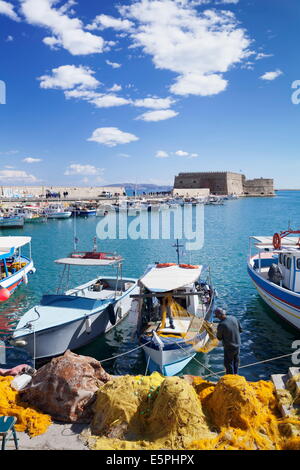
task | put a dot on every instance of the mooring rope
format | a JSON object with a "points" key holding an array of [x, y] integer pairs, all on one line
{"points": [[124, 354], [254, 364]]}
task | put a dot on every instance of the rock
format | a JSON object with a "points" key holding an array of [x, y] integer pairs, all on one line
{"points": [[66, 387]]}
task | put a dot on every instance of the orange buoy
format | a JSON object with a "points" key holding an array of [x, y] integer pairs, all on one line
{"points": [[4, 294], [277, 241], [188, 266]]}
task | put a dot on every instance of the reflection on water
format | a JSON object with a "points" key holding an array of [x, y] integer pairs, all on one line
{"points": [[227, 229]]}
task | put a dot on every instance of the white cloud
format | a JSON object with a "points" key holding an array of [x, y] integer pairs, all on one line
{"points": [[271, 75], [78, 82], [66, 77], [16, 175], [7, 9], [198, 84], [161, 154], [114, 65], [66, 32], [100, 100], [198, 46], [109, 100], [111, 136], [227, 2], [32, 160], [115, 88], [86, 170], [154, 103], [181, 153], [160, 115], [9, 38], [105, 21], [262, 55]]}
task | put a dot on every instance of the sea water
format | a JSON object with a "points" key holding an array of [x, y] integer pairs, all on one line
{"points": [[225, 250]]}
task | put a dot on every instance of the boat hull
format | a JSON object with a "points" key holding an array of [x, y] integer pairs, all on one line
{"points": [[11, 222], [284, 302], [171, 362], [54, 341], [13, 281], [59, 215]]}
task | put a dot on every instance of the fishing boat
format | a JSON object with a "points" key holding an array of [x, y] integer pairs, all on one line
{"points": [[73, 318], [176, 306], [11, 221], [275, 272], [14, 266], [56, 211], [29, 215]]}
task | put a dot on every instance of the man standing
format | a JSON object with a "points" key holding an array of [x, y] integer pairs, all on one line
{"points": [[228, 332]]}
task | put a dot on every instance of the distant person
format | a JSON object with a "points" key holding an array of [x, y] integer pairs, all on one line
{"points": [[228, 332]]}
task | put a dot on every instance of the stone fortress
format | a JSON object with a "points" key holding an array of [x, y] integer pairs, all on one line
{"points": [[221, 183]]}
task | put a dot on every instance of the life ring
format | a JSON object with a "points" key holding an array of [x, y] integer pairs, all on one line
{"points": [[277, 241], [188, 266], [165, 265]]}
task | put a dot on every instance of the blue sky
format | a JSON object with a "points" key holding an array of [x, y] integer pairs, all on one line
{"points": [[100, 92]]}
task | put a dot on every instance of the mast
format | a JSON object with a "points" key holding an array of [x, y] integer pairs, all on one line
{"points": [[177, 246]]}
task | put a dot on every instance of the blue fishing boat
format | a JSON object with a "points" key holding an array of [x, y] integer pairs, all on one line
{"points": [[14, 265], [275, 272], [73, 318], [11, 221], [177, 301]]}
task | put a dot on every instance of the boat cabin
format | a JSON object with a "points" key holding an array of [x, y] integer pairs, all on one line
{"points": [[287, 260]]}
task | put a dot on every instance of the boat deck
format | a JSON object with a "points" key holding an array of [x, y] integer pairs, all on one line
{"points": [[181, 326]]}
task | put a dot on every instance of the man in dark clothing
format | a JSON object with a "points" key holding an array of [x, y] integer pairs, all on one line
{"points": [[228, 332]]}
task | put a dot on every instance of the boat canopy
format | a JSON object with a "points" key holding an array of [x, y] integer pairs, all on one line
{"points": [[86, 262], [169, 278], [7, 243], [288, 243]]}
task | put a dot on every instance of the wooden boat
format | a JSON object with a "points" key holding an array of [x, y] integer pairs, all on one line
{"points": [[14, 266], [275, 272], [11, 221], [175, 304], [73, 318]]}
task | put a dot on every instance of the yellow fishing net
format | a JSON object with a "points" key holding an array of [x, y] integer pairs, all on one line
{"points": [[150, 412], [168, 413], [28, 419]]}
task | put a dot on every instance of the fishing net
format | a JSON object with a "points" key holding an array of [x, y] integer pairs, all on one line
{"points": [[147, 412], [154, 412], [28, 419]]}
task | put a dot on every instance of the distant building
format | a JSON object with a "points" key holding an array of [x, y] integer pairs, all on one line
{"points": [[68, 192], [223, 183]]}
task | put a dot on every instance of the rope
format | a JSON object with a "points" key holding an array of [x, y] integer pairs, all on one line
{"points": [[253, 364], [124, 354]]}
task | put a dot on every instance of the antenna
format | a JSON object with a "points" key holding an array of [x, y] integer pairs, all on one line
{"points": [[75, 238], [95, 244], [177, 246]]}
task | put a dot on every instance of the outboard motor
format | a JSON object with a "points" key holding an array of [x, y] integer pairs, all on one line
{"points": [[275, 274]]}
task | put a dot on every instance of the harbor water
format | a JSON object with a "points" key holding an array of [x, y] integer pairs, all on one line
{"points": [[225, 250]]}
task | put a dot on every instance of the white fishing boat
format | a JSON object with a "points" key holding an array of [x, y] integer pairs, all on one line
{"points": [[29, 215], [73, 318], [14, 265], [56, 211], [176, 304], [275, 272]]}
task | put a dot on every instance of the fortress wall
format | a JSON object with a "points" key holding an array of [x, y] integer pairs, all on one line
{"points": [[191, 192], [259, 187], [235, 184], [215, 182], [73, 192]]}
